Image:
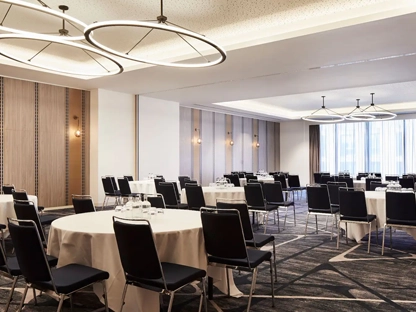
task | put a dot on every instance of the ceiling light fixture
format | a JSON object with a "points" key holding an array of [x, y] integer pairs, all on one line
{"points": [[378, 112], [231, 138], [56, 40], [159, 24], [78, 131], [324, 115], [62, 33], [257, 140], [358, 114], [198, 140]]}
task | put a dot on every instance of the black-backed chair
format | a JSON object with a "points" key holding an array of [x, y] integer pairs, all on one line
{"points": [[157, 181], [282, 179], [294, 184], [326, 178], [348, 181], [125, 190], [391, 177], [333, 192], [376, 174], [362, 175], [257, 203], [353, 209], [273, 193], [9, 268], [376, 184], [408, 182], [167, 189], [83, 203], [319, 205], [110, 191], [129, 177], [195, 197], [8, 189], [400, 212], [254, 240], [368, 182], [34, 266], [182, 180], [156, 200], [226, 246], [45, 220], [191, 182], [234, 179], [317, 177], [142, 266], [241, 175], [251, 177]]}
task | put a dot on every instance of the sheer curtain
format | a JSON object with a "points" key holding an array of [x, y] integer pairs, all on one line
{"points": [[327, 148]]}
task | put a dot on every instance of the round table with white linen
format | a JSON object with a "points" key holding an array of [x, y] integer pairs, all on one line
{"points": [[212, 193], [359, 185], [89, 239], [143, 186], [243, 181], [7, 208]]}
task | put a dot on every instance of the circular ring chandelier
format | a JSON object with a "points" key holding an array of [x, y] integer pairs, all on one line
{"points": [[88, 32], [378, 112], [45, 10], [57, 40], [324, 115], [359, 115]]}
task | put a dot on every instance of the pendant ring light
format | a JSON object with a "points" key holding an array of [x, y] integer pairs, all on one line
{"points": [[358, 114], [378, 112], [324, 115]]}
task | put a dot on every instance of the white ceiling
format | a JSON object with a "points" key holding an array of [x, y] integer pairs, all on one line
{"points": [[281, 55]]}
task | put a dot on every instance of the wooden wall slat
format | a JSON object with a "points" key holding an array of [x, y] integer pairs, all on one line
{"points": [[75, 144], [19, 134], [51, 145], [86, 139]]}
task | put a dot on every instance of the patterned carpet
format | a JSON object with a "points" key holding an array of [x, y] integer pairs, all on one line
{"points": [[312, 276]]}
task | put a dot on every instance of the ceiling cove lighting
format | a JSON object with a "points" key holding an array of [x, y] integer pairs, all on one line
{"points": [[378, 112], [62, 33], [160, 24], [358, 114], [56, 40], [324, 115]]}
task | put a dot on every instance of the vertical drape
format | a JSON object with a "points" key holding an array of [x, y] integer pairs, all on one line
{"points": [[314, 145]]}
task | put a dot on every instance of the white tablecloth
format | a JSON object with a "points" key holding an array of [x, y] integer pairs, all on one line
{"points": [[144, 186], [7, 208], [359, 185], [376, 205], [89, 239], [243, 181], [211, 194]]}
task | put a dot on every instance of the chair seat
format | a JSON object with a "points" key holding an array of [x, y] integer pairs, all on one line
{"points": [[368, 218], [48, 219], [72, 277], [327, 211], [401, 222], [269, 207], [255, 257], [285, 203], [176, 276], [198, 208], [259, 240], [178, 206], [14, 265]]}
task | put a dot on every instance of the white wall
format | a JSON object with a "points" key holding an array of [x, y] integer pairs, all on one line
{"points": [[112, 145], [158, 123], [294, 149]]}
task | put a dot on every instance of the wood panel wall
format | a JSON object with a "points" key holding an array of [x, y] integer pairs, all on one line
{"points": [[38, 148]]}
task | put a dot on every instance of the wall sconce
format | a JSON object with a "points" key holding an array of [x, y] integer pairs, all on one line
{"points": [[257, 140], [78, 131], [231, 138], [199, 141]]}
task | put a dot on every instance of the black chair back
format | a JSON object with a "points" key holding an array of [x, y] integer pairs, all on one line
{"points": [[20, 195], [273, 192], [408, 182], [138, 260], [318, 198], [129, 178], [293, 181], [333, 191], [234, 179], [194, 196], [223, 234], [317, 177], [167, 189], [400, 206], [83, 203], [191, 182], [251, 177], [244, 216], [8, 189], [29, 251], [157, 181], [368, 182], [108, 185], [241, 175], [182, 180], [156, 200], [349, 181], [25, 210], [392, 178], [376, 184], [124, 186], [352, 203], [281, 179], [326, 178], [362, 175], [254, 195]]}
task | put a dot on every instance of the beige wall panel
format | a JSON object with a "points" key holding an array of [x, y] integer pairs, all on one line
{"points": [[19, 134], [86, 134], [229, 147], [75, 144], [270, 147], [254, 148], [51, 145], [277, 146], [196, 151]]}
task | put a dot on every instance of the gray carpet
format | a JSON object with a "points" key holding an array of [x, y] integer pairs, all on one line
{"points": [[312, 276]]}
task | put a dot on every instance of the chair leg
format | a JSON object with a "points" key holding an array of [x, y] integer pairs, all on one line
{"points": [[9, 300], [105, 296], [61, 302], [338, 234], [369, 237], [326, 223], [253, 282], [203, 280], [391, 240], [228, 283], [274, 260], [332, 225], [382, 242], [23, 298], [34, 296], [294, 214], [172, 295], [71, 302], [376, 233], [267, 221], [284, 223], [306, 227], [271, 280], [346, 233], [316, 222], [123, 296]]}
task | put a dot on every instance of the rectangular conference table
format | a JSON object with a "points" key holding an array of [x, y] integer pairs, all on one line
{"points": [[376, 205]]}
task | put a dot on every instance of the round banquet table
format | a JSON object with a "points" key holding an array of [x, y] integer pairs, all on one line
{"points": [[89, 239], [214, 193]]}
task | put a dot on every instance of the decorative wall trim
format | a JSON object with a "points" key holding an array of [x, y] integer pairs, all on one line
{"points": [[1, 128], [83, 141], [36, 139], [67, 146]]}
